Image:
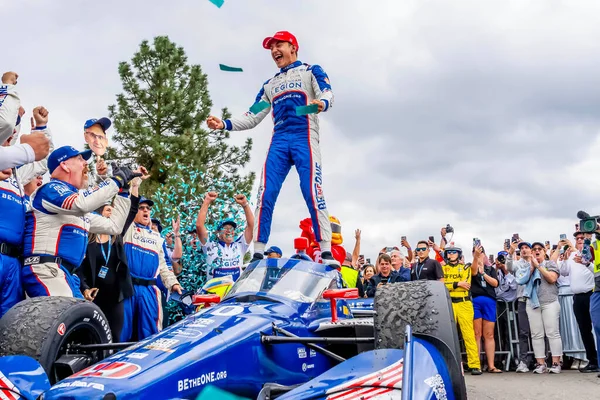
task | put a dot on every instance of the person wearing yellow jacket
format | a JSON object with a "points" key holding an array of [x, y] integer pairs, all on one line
{"points": [[457, 278]]}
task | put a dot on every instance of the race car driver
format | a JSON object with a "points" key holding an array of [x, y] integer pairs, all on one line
{"points": [[295, 138], [225, 256], [457, 278], [147, 258], [60, 218], [13, 203]]}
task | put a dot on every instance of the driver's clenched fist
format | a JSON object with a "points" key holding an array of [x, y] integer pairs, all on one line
{"points": [[215, 123]]}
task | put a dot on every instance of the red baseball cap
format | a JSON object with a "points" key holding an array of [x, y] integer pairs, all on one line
{"points": [[283, 36]]}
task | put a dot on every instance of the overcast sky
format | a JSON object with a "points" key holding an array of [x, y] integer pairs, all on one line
{"points": [[481, 114]]}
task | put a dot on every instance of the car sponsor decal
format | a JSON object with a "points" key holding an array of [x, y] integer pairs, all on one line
{"points": [[162, 344], [301, 352], [201, 323], [313, 353], [436, 382], [79, 384], [228, 311], [5, 383], [187, 332], [306, 367], [104, 324], [110, 370], [137, 356], [61, 329], [201, 380], [370, 386]]}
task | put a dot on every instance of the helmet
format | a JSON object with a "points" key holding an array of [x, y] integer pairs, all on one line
{"points": [[452, 247], [336, 230]]}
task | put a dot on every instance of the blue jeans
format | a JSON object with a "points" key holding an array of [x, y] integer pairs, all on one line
{"points": [[595, 313]]}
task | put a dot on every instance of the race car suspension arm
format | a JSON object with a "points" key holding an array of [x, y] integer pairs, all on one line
{"points": [[101, 346], [321, 350], [281, 339]]}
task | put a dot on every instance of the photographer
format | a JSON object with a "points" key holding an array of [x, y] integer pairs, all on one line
{"points": [[385, 275], [543, 309], [425, 267], [483, 283]]}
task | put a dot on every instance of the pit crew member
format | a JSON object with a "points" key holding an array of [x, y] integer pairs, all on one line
{"points": [[60, 218], [147, 258]]}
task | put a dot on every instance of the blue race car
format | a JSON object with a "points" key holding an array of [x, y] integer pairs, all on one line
{"points": [[285, 330]]}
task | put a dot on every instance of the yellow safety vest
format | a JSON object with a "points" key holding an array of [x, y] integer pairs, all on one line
{"points": [[349, 276]]}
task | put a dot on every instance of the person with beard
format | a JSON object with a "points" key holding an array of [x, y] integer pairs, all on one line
{"points": [[147, 259], [60, 218], [457, 278]]}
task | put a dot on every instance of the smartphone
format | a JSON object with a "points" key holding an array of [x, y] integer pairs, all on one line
{"points": [[361, 256], [476, 242], [563, 236], [554, 247], [403, 238], [432, 239], [368, 261], [491, 258], [515, 237], [506, 243], [547, 243]]}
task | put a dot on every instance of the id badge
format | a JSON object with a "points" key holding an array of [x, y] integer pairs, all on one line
{"points": [[103, 272]]}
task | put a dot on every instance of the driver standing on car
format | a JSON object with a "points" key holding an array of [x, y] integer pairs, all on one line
{"points": [[147, 258], [60, 218], [295, 138], [225, 256]]}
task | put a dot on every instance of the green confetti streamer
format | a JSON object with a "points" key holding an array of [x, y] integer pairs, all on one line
{"points": [[305, 110], [217, 3], [258, 107], [226, 68]]}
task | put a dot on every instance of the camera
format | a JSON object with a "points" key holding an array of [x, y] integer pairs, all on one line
{"points": [[587, 223], [449, 229]]}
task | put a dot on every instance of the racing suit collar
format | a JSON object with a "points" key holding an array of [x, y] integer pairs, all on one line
{"points": [[292, 65], [73, 188], [147, 227]]}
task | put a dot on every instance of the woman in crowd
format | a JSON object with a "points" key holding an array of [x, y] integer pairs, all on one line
{"points": [[367, 274], [543, 309], [483, 286], [104, 274]]}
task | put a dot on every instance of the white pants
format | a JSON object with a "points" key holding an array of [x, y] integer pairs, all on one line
{"points": [[545, 320]]}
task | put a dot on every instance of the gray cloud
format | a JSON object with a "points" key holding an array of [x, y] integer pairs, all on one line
{"points": [[481, 114]]}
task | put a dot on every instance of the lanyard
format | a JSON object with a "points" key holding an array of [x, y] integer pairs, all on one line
{"points": [[418, 271], [106, 256]]}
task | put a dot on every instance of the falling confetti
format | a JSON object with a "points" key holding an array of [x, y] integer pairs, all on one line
{"points": [[258, 107], [217, 3], [310, 109], [226, 68], [184, 200]]}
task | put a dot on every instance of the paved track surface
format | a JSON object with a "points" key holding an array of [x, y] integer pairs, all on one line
{"points": [[569, 385]]}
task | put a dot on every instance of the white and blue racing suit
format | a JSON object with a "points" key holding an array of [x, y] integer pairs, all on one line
{"points": [[56, 233], [295, 141]]}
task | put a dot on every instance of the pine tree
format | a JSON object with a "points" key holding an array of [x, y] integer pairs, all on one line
{"points": [[158, 121]]}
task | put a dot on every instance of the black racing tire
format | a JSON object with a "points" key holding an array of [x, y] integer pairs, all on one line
{"points": [[427, 308], [41, 327]]}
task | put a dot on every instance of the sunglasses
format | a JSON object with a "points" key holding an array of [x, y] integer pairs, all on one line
{"points": [[421, 249], [452, 252], [537, 249], [144, 208]]}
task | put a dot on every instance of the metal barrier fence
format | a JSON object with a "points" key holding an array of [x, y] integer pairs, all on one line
{"points": [[506, 336]]}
